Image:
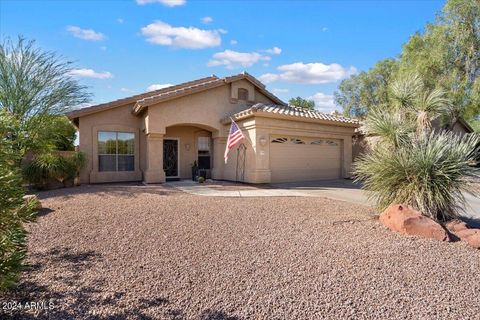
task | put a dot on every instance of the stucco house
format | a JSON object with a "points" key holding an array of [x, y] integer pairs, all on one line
{"points": [[158, 135]]}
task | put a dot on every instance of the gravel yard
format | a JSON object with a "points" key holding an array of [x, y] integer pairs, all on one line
{"points": [[133, 252]]}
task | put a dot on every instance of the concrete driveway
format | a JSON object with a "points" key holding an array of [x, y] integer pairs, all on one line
{"points": [[340, 189], [345, 190]]}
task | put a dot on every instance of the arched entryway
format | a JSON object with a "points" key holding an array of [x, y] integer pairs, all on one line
{"points": [[186, 146]]}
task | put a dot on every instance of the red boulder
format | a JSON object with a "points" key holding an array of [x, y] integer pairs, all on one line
{"points": [[403, 219], [464, 232]]}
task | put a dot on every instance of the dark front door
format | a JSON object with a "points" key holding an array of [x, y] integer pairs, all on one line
{"points": [[170, 158]]}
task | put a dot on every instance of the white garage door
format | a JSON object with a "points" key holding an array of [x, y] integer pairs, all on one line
{"points": [[302, 159]]}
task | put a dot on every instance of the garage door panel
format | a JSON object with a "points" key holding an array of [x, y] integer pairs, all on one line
{"points": [[303, 162]]}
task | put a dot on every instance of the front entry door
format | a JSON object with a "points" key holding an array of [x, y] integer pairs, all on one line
{"points": [[170, 158]]}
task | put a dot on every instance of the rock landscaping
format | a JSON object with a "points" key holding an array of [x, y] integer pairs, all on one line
{"points": [[135, 252], [465, 233], [401, 218]]}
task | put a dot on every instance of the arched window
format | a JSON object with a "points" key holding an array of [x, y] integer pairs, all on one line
{"points": [[242, 94]]}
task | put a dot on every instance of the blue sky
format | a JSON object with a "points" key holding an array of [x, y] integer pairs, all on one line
{"points": [[298, 48]]}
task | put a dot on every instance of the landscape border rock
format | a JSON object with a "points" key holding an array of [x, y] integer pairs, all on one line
{"points": [[461, 230], [406, 220]]}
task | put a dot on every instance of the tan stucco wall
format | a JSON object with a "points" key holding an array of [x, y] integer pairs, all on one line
{"points": [[245, 85], [118, 119], [190, 116], [260, 129], [202, 109]]}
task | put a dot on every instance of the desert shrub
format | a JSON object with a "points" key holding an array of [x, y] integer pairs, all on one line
{"points": [[428, 174], [50, 166], [78, 161], [14, 211], [411, 163]]}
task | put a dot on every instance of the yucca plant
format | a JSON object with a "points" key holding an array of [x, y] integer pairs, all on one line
{"points": [[428, 174], [391, 129], [414, 165]]}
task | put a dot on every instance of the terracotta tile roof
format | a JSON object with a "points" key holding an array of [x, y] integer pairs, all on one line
{"points": [[135, 98], [143, 100], [291, 111], [175, 93]]}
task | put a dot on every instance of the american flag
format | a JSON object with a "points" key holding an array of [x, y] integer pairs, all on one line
{"points": [[234, 137]]}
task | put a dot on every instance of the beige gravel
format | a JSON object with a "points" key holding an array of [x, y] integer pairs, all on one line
{"points": [[133, 252]]}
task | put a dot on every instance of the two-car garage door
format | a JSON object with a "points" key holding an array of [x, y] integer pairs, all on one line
{"points": [[302, 159]]}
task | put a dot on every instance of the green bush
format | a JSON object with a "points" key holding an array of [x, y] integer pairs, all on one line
{"points": [[58, 133], [50, 166], [201, 179], [14, 210]]}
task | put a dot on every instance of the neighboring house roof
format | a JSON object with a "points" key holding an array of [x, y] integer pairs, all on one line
{"points": [[292, 113], [467, 127], [146, 99]]}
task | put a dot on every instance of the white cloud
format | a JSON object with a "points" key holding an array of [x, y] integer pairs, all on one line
{"points": [[278, 90], [181, 37], [233, 42], [120, 20], [323, 102], [168, 3], [274, 50], [311, 73], [268, 77], [158, 86], [324, 29], [103, 48], [207, 20], [90, 73], [126, 90], [232, 59], [85, 34]]}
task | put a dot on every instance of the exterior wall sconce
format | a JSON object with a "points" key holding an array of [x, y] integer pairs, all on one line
{"points": [[263, 141], [187, 146]]}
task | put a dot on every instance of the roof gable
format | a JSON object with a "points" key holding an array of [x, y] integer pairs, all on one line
{"points": [[143, 100]]}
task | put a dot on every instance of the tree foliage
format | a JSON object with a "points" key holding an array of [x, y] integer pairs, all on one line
{"points": [[446, 56], [358, 94], [302, 103], [35, 87], [14, 210]]}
